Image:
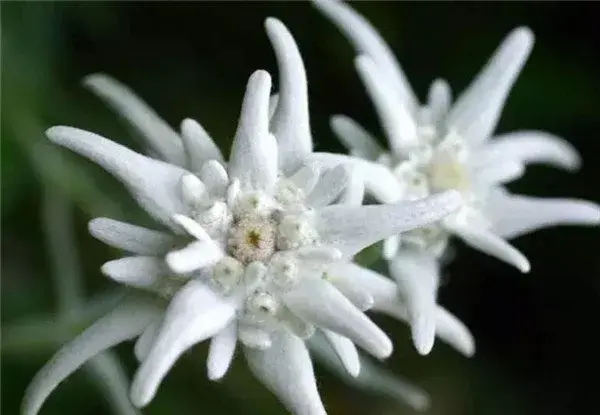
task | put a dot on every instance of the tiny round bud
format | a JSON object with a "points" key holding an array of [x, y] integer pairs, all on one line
{"points": [[288, 193], [253, 204], [228, 273], [193, 191], [216, 219], [283, 271], [295, 232], [262, 305]]}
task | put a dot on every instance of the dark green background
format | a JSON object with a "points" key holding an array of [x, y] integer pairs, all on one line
{"points": [[538, 349]]}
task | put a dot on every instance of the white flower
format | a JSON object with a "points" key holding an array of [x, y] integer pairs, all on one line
{"points": [[439, 146], [257, 251]]}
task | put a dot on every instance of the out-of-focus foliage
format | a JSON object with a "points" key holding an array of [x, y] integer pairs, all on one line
{"points": [[192, 59]]}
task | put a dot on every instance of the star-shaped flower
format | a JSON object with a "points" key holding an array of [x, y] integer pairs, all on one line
{"points": [[439, 146], [257, 250]]}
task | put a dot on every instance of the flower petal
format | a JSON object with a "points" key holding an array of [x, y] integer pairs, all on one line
{"points": [[214, 176], [417, 277], [273, 102], [366, 40], [144, 343], [357, 295], [477, 109], [384, 293], [130, 238], [196, 255], [254, 337], [351, 229], [354, 193], [290, 123], [498, 173], [306, 178], [346, 351], [439, 100], [397, 121], [321, 304], [195, 314], [253, 159], [160, 136], [489, 243], [191, 227], [136, 271], [125, 322], [453, 331], [381, 289], [318, 253], [154, 184], [378, 179], [221, 351], [391, 246], [286, 370], [193, 191], [329, 187], [358, 141], [515, 215], [533, 147], [199, 146]]}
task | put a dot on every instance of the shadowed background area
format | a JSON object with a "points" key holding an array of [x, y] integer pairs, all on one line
{"points": [[535, 333]]}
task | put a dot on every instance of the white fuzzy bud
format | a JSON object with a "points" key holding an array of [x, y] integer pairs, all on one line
{"points": [[295, 232], [283, 271], [253, 204], [227, 273], [261, 306], [288, 194], [193, 191]]}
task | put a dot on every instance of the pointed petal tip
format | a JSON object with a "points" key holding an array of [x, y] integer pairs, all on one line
{"points": [[53, 133], [520, 38], [470, 351], [96, 223], [423, 332], [260, 76], [336, 119], [107, 268], [94, 80], [386, 348], [273, 23], [63, 134], [592, 211], [524, 33], [188, 124], [139, 398], [178, 262], [524, 265]]}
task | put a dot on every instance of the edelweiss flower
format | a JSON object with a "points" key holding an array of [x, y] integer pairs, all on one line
{"points": [[257, 251], [438, 146]]}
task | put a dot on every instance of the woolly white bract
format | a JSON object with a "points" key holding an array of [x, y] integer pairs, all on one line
{"points": [[439, 146], [258, 251]]}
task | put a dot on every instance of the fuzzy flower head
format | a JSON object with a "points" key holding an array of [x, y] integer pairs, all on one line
{"points": [[258, 249], [440, 145]]}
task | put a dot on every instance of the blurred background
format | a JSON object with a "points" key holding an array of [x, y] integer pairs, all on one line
{"points": [[537, 346]]}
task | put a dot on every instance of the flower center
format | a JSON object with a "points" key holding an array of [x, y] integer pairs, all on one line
{"points": [[446, 171], [252, 239]]}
